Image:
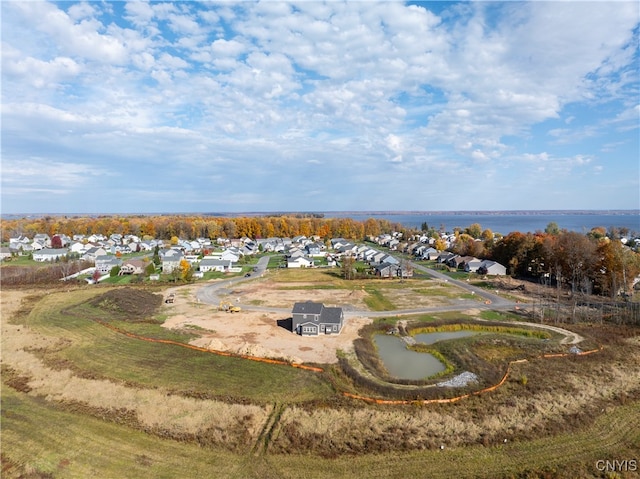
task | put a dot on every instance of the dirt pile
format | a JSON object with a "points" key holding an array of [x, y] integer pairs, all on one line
{"points": [[129, 303]]}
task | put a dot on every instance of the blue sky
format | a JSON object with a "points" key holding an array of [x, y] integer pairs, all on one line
{"points": [[112, 107]]}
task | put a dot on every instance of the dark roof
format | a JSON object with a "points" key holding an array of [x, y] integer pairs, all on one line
{"points": [[308, 307], [331, 315]]}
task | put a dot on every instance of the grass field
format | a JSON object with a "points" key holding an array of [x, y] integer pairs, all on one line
{"points": [[72, 445], [81, 400], [91, 348]]}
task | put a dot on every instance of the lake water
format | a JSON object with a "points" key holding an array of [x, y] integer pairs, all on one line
{"points": [[403, 363], [506, 222]]}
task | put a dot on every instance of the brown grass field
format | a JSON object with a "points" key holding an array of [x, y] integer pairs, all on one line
{"points": [[79, 400]]}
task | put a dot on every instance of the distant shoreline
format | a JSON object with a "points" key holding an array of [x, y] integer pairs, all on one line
{"points": [[329, 214]]}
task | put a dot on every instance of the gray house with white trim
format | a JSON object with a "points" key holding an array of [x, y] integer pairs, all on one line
{"points": [[313, 319]]}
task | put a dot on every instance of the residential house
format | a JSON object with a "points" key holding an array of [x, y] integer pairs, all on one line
{"points": [[50, 254], [386, 270], [93, 252], [472, 265], [389, 259], [312, 319], [444, 257], [393, 244], [430, 254], [299, 262], [378, 256], [20, 245], [314, 249], [338, 242], [231, 254], [212, 264], [392, 270], [492, 267], [77, 247], [132, 266], [104, 264], [171, 260], [19, 240], [299, 239], [43, 239], [5, 253]]}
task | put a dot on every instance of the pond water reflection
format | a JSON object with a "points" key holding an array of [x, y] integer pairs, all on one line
{"points": [[403, 363]]}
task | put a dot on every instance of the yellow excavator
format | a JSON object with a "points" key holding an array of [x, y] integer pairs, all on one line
{"points": [[228, 307]]}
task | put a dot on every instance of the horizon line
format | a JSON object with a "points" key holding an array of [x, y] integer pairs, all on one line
{"points": [[342, 212]]}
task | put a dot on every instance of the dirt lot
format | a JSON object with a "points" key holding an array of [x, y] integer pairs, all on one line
{"points": [[259, 333]]}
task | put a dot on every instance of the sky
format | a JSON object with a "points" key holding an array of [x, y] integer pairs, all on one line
{"points": [[186, 107]]}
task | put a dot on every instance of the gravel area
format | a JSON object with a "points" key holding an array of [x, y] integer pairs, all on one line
{"points": [[459, 381]]}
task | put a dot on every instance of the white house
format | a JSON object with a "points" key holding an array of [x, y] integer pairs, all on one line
{"points": [[492, 267], [230, 254], [171, 260], [212, 264], [49, 254], [104, 264], [299, 262], [5, 253]]}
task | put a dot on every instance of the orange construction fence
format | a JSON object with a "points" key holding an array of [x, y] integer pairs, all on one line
{"points": [[319, 370], [464, 396], [212, 351]]}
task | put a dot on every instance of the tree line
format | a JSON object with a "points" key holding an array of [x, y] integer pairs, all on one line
{"points": [[190, 227]]}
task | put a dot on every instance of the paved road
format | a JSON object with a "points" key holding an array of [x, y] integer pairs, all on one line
{"points": [[210, 294], [497, 302]]}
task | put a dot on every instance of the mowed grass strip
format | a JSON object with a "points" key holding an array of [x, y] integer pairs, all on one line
{"points": [[615, 434], [376, 300], [41, 441], [94, 349]]}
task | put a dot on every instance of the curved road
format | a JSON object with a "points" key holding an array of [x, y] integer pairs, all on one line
{"points": [[210, 294]]}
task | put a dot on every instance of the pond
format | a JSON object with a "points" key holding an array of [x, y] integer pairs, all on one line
{"points": [[403, 363]]}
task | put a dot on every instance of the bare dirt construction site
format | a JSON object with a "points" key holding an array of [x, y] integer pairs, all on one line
{"points": [[256, 331], [262, 333]]}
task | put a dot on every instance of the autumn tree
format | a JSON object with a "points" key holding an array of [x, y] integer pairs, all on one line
{"points": [[474, 230], [577, 256], [523, 254], [348, 267], [371, 227], [440, 244], [185, 270], [552, 229], [56, 242], [617, 267], [150, 269]]}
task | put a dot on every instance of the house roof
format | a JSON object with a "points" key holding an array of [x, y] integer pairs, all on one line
{"points": [[52, 251], [308, 307], [331, 315], [215, 262]]}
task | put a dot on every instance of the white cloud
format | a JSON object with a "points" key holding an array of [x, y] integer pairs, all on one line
{"points": [[81, 39], [354, 86], [45, 175]]}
